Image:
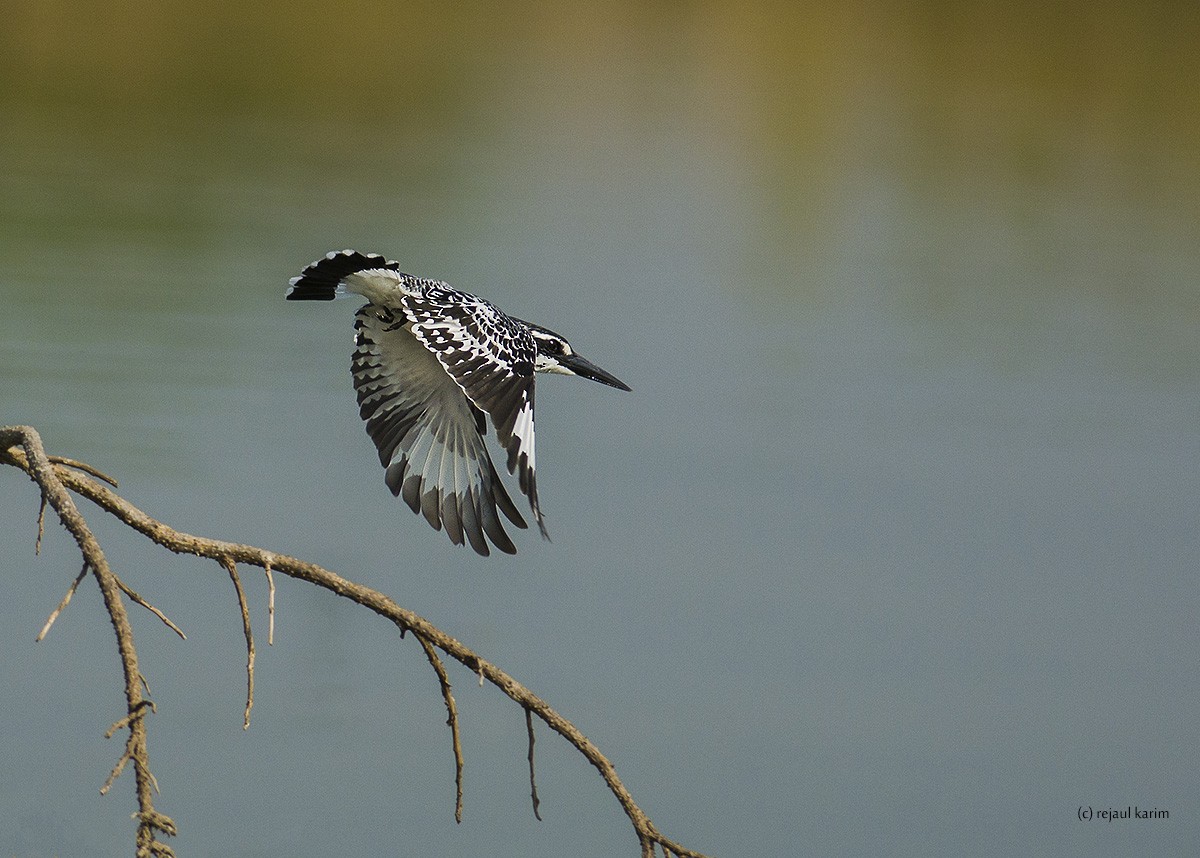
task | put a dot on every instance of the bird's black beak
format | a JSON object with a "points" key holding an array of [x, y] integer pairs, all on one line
{"points": [[587, 369]]}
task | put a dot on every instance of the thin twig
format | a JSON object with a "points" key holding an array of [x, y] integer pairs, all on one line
{"points": [[532, 777], [130, 749], [85, 467], [129, 591], [63, 604], [452, 721], [231, 568], [37, 546], [117, 769], [122, 723], [270, 605]]}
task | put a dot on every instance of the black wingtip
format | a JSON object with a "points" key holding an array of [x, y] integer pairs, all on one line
{"points": [[321, 281]]}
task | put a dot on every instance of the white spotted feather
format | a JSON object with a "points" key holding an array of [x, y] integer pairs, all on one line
{"points": [[431, 365]]}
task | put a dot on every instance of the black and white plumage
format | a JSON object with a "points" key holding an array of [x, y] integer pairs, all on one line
{"points": [[430, 365]]}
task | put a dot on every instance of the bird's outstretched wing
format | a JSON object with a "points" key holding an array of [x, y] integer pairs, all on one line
{"points": [[491, 357], [429, 436]]}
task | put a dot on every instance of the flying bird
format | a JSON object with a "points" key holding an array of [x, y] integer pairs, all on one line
{"points": [[431, 365]]}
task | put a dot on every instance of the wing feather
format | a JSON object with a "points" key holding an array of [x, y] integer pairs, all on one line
{"points": [[491, 357], [428, 434]]}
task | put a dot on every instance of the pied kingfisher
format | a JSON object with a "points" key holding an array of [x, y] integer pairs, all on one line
{"points": [[429, 363]]}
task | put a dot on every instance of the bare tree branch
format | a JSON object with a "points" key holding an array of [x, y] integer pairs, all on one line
{"points": [[85, 467], [37, 546], [270, 605], [134, 597], [452, 721], [21, 447], [231, 568], [66, 600], [537, 802]]}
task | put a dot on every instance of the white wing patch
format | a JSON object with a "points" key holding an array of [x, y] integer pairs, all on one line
{"points": [[523, 431]]}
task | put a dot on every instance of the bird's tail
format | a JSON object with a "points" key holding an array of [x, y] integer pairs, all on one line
{"points": [[322, 280]]}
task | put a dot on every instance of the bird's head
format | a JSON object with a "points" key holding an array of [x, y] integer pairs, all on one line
{"points": [[554, 354]]}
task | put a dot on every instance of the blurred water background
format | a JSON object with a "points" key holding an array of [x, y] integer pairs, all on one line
{"points": [[892, 549]]}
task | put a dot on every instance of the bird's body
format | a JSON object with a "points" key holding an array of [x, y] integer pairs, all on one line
{"points": [[430, 365]]}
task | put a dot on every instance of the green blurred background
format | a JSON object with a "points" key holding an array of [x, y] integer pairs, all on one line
{"points": [[892, 549]]}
